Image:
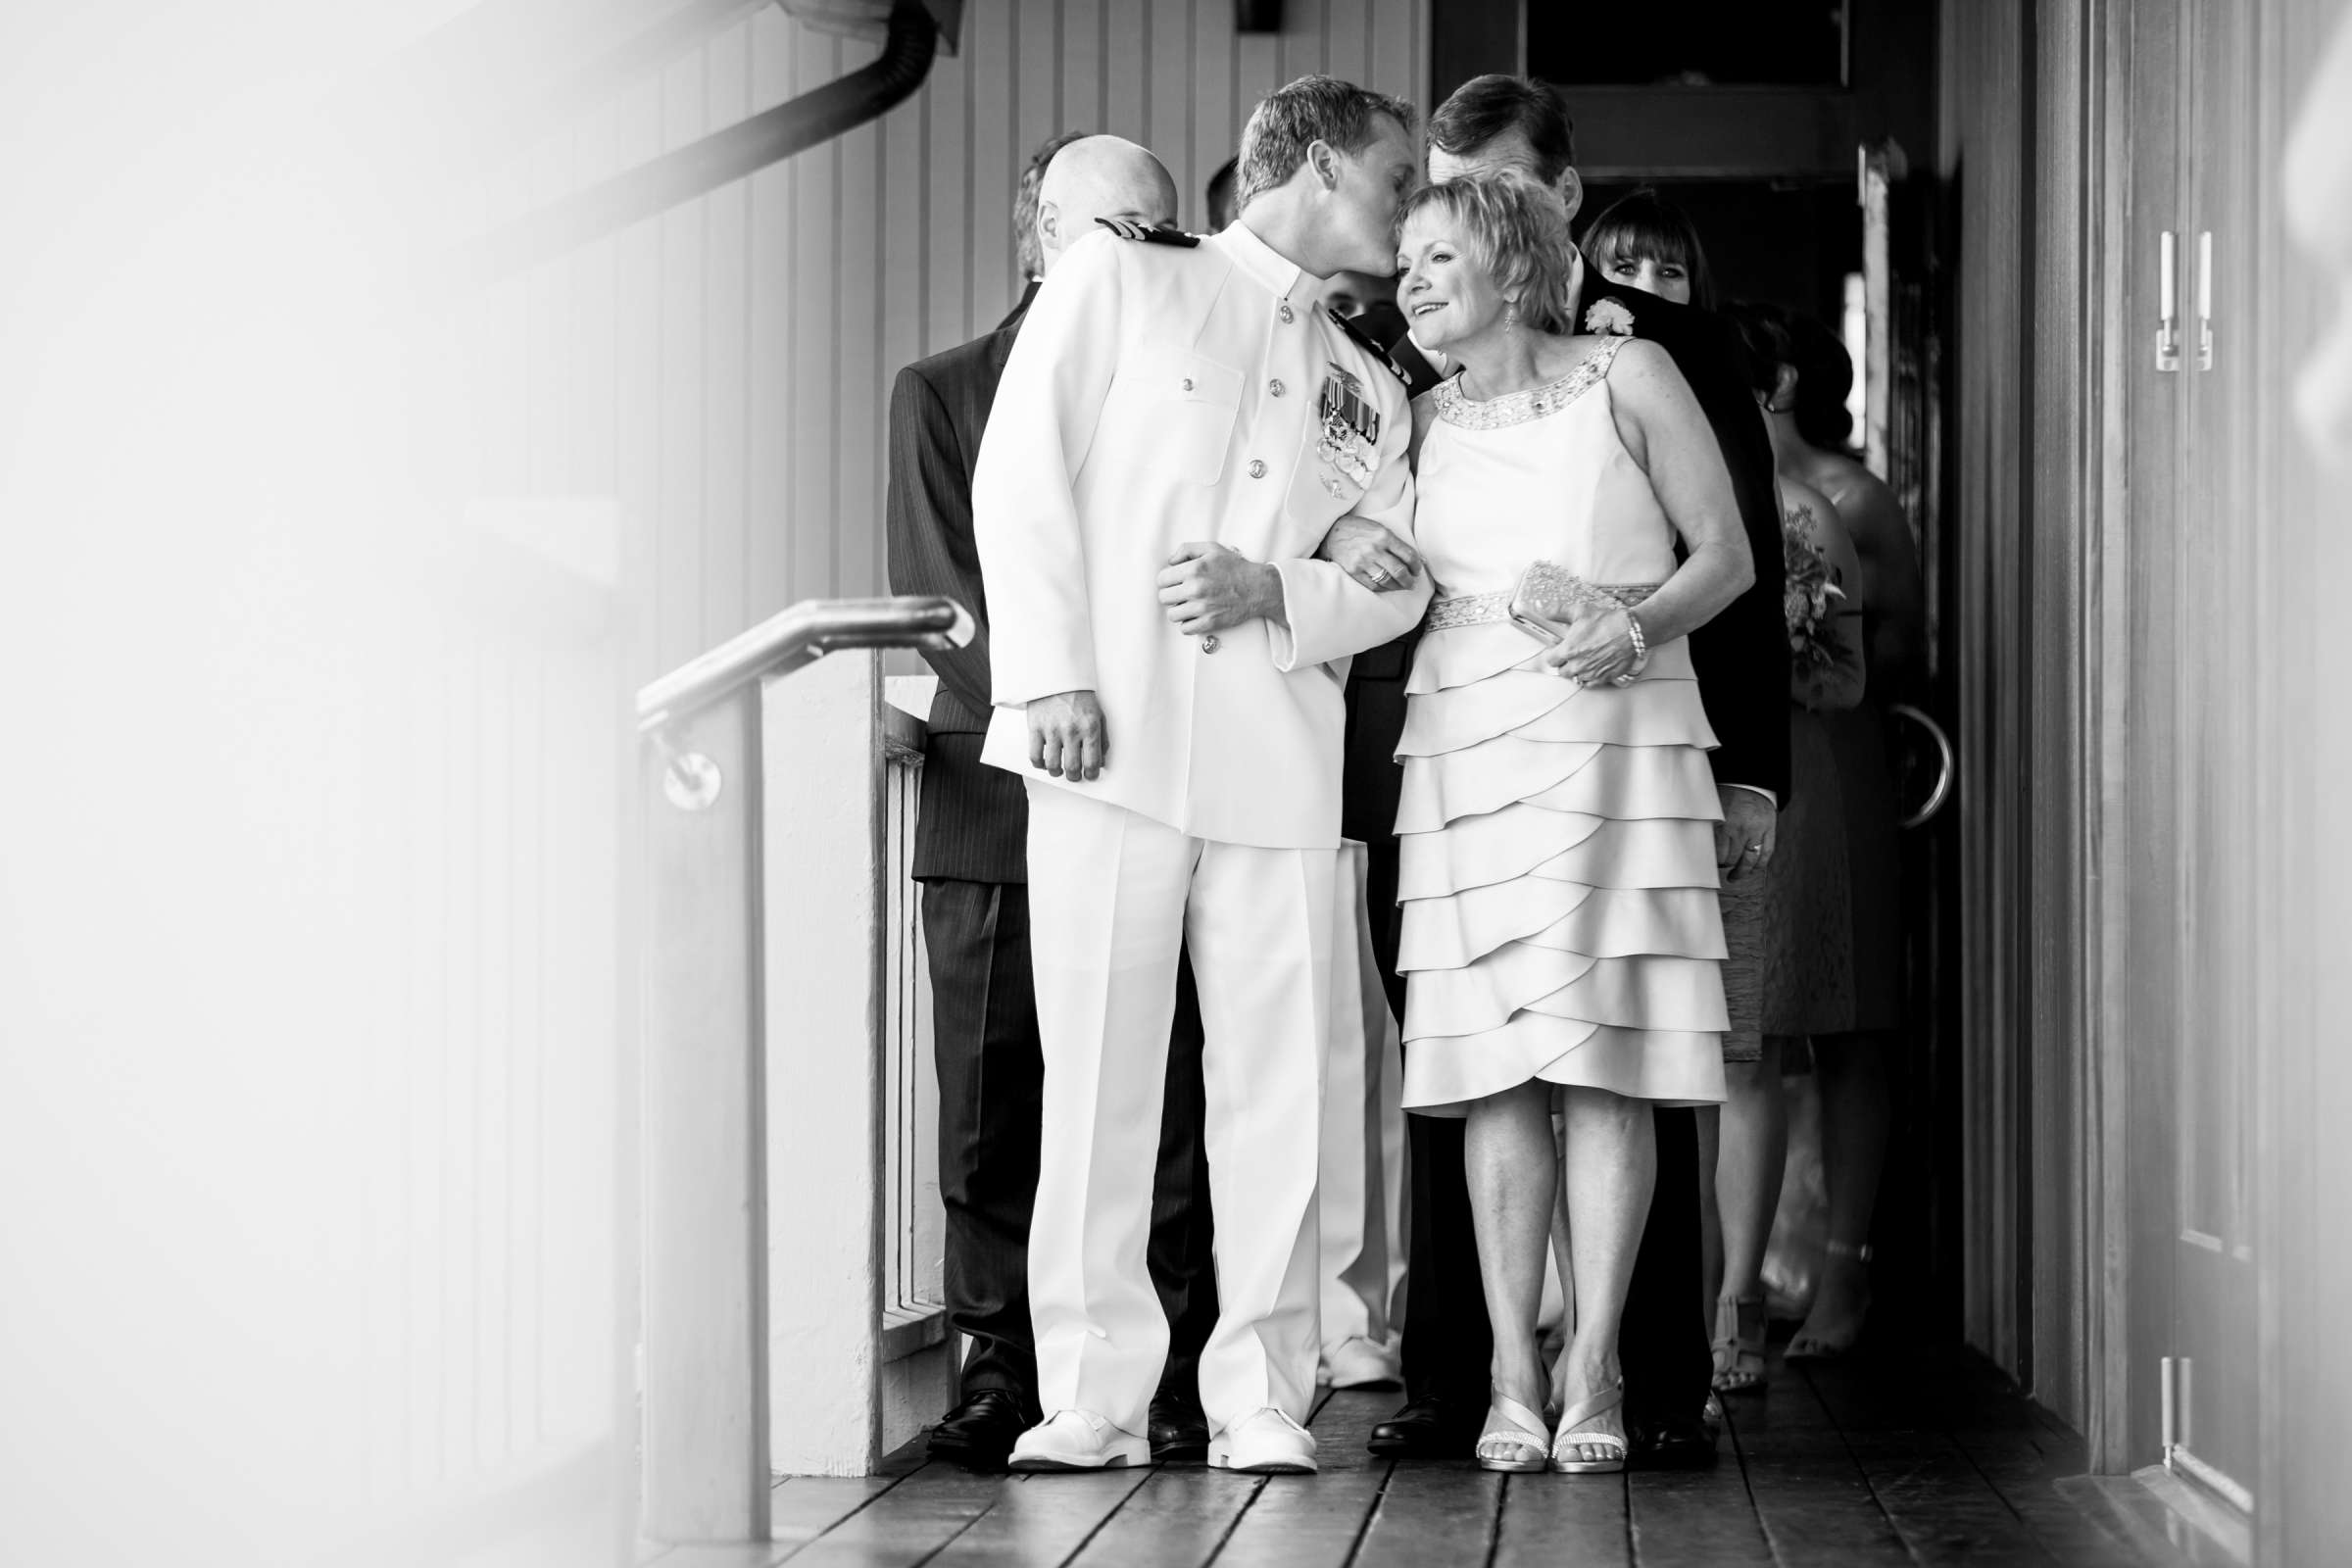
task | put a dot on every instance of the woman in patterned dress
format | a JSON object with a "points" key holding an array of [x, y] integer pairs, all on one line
{"points": [[1804, 378], [1808, 957], [1561, 937]]}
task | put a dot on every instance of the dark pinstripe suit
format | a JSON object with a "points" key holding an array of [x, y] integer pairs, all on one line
{"points": [[970, 855]]}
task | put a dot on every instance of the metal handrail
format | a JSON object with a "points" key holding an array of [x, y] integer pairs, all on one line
{"points": [[801, 635]]}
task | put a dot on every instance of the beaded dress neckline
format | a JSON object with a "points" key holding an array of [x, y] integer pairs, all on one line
{"points": [[1458, 407]]}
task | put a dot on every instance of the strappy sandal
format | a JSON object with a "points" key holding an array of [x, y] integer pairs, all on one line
{"points": [[1739, 1357], [1567, 1438], [1819, 1347], [1517, 1444]]}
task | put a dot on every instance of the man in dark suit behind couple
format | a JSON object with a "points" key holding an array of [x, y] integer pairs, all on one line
{"points": [[1489, 124], [970, 855]]}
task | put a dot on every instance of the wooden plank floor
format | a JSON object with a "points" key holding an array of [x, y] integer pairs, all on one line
{"points": [[1927, 1461]]}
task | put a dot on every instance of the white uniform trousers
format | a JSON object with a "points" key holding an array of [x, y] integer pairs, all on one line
{"points": [[1113, 897], [1363, 1187]]}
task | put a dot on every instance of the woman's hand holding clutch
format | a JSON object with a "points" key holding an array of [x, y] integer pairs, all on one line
{"points": [[1594, 649]]}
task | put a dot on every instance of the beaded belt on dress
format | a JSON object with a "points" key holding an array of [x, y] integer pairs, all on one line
{"points": [[1471, 610]]}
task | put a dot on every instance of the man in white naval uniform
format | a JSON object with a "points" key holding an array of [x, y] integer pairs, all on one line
{"points": [[1178, 427]]}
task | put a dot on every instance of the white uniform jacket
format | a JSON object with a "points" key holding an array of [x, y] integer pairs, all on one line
{"points": [[1161, 394]]}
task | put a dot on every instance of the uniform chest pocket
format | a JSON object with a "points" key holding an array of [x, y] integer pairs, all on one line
{"points": [[1192, 403]]}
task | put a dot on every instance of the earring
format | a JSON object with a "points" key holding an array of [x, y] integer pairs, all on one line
{"points": [[1510, 315]]}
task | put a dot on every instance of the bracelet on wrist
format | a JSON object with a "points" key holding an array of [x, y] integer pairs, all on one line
{"points": [[1633, 627]]}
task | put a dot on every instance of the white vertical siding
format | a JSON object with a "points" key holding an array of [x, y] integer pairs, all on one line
{"points": [[723, 369]]}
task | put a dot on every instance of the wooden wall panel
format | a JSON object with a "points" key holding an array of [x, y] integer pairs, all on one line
{"points": [[681, 316], [992, 144], [1127, 71], [724, 369], [1084, 65], [809, 273], [1175, 55], [726, 349]]}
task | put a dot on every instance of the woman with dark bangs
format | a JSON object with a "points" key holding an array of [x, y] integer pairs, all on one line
{"points": [[1646, 242]]}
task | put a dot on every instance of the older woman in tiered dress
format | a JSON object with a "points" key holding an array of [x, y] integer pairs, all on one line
{"points": [[1560, 926]]}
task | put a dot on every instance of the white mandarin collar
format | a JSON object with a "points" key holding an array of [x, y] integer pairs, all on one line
{"points": [[1262, 262]]}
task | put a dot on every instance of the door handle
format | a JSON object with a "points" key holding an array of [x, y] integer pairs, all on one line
{"points": [[2168, 302], [1946, 761], [2205, 300]]}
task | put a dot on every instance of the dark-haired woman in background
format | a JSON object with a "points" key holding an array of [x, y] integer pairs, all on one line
{"points": [[1805, 405], [1808, 959], [1647, 242]]}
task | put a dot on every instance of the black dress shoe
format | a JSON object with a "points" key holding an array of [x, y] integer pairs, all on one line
{"points": [[1179, 1432], [979, 1432], [1683, 1444], [1435, 1426]]}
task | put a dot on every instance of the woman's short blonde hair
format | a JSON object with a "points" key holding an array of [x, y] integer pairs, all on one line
{"points": [[1514, 228]]}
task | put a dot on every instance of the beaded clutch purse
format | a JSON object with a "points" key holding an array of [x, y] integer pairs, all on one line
{"points": [[1547, 596]]}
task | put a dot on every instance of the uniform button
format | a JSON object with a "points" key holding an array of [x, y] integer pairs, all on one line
{"points": [[1187, 383], [1285, 312], [1258, 467], [1275, 386], [1208, 644]]}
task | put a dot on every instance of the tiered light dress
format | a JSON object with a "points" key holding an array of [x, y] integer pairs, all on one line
{"points": [[1558, 881]]}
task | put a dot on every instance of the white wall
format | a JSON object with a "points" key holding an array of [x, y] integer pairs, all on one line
{"points": [[724, 369]]}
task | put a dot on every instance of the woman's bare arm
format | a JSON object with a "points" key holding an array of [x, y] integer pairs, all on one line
{"points": [[1667, 434]]}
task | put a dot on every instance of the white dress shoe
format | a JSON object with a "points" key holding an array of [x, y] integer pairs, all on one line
{"points": [[1077, 1440], [1264, 1442], [1357, 1362]]}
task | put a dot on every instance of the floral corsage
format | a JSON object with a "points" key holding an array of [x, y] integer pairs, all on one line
{"points": [[1610, 318], [1809, 602]]}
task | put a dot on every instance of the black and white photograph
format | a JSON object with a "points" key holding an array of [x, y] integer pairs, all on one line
{"points": [[1176, 784]]}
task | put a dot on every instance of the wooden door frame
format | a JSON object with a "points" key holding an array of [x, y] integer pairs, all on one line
{"points": [[2076, 1071], [2100, 58], [2032, 137], [2092, 1264], [1983, 157]]}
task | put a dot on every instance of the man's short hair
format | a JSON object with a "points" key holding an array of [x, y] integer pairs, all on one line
{"points": [[1221, 194], [1291, 119], [1487, 107], [1024, 203]]}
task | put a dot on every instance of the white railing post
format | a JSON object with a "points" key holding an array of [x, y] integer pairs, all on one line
{"points": [[821, 869], [857, 1361], [792, 1223], [706, 1286]]}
